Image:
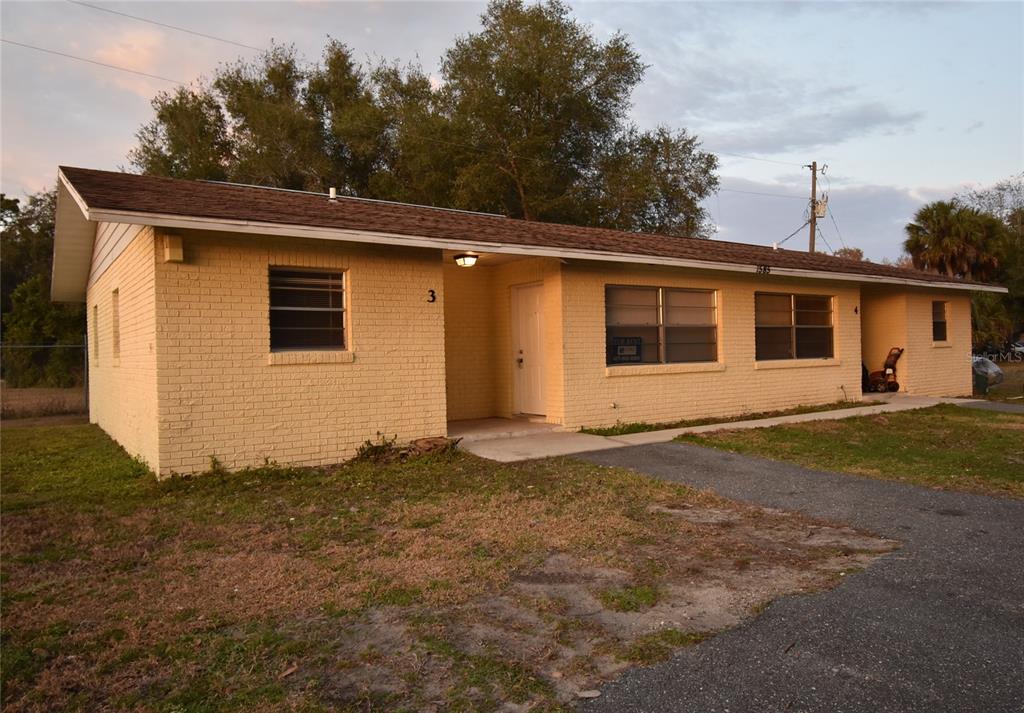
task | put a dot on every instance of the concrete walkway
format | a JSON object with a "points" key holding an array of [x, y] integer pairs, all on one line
{"points": [[544, 440], [935, 626], [999, 406]]}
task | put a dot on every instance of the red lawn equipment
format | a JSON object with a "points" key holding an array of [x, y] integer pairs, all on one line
{"points": [[885, 380]]}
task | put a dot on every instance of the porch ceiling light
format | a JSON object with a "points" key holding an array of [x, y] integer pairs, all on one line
{"points": [[466, 259]]}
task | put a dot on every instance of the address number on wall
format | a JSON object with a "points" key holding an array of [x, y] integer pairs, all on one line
{"points": [[431, 296]]}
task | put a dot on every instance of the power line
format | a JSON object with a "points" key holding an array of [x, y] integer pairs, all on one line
{"points": [[822, 236], [792, 234], [175, 81], [164, 24], [260, 49], [761, 193], [92, 61], [832, 215], [428, 138], [756, 158]]}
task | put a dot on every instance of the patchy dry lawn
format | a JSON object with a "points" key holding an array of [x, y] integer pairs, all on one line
{"points": [[443, 583], [944, 446], [30, 403], [1012, 388]]}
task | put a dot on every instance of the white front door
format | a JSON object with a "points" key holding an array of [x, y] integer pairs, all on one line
{"points": [[528, 350]]}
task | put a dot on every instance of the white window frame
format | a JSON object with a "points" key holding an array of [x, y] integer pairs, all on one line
{"points": [[346, 336], [793, 326], [944, 322], [662, 326]]}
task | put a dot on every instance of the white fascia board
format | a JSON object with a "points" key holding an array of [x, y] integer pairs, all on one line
{"points": [[63, 180], [73, 238], [378, 238]]}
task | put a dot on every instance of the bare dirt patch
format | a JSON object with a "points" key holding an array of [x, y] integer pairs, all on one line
{"points": [[439, 583]]}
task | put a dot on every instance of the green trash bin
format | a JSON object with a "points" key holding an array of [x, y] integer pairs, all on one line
{"points": [[980, 384]]}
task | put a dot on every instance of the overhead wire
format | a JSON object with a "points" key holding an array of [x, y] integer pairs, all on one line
{"points": [[166, 25], [433, 139], [831, 212], [756, 158], [832, 216], [793, 233], [91, 61], [205, 35], [762, 193], [824, 240]]}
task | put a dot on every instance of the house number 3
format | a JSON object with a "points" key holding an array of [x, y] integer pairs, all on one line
{"points": [[431, 296]]}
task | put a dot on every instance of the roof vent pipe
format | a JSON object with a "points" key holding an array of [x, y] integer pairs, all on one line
{"points": [[334, 194]]}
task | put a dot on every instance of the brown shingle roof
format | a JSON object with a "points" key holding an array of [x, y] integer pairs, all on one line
{"points": [[112, 191]]}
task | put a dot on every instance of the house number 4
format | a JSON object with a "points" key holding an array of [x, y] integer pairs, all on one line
{"points": [[431, 296]]}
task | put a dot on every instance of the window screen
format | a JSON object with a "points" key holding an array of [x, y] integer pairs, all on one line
{"points": [[307, 309], [792, 326], [652, 325], [938, 321]]}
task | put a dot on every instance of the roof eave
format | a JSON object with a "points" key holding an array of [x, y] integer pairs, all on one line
{"points": [[360, 236], [72, 244]]}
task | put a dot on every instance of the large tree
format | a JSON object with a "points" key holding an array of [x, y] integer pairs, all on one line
{"points": [[976, 235], [29, 318], [956, 240], [529, 118], [1005, 200], [26, 240], [188, 138]]}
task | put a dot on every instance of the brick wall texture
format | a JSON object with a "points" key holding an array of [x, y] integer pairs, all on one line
{"points": [[123, 391], [903, 318], [196, 380]]}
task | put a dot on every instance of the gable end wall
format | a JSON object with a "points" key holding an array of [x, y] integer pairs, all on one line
{"points": [[122, 389]]}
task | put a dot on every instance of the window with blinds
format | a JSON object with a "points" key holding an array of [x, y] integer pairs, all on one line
{"points": [[791, 326], [939, 321], [307, 309], [659, 325]]}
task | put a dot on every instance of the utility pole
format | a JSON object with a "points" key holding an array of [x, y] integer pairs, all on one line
{"points": [[814, 204]]}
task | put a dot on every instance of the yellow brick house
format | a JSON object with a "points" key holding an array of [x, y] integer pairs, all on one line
{"points": [[248, 323]]}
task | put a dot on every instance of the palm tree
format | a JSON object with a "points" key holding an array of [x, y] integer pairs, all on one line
{"points": [[955, 240]]}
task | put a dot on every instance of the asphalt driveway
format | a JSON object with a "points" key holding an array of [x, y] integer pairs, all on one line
{"points": [[935, 626]]}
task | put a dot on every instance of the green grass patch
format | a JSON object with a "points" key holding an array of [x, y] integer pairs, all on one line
{"points": [[630, 599], [945, 446], [660, 645], [622, 429], [499, 680]]}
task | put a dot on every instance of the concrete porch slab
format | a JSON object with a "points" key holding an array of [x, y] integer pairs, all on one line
{"points": [[544, 445], [487, 429]]}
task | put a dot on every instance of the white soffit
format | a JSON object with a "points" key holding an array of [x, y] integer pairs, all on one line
{"points": [[72, 246]]}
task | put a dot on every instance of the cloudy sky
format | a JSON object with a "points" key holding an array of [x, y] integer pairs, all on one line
{"points": [[905, 102]]}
